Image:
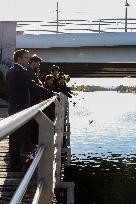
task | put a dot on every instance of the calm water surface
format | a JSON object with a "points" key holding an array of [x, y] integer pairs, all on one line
{"points": [[113, 130], [103, 164]]}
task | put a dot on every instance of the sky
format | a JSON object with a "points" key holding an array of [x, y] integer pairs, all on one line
{"points": [[68, 9]]}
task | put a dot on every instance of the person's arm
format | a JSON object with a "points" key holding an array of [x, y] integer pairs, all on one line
{"points": [[40, 83], [45, 93], [69, 90], [63, 89]]}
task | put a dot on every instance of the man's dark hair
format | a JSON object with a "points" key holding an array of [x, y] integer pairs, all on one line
{"points": [[54, 68], [35, 58], [19, 53]]}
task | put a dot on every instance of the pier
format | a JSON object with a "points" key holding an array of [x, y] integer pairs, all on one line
{"points": [[79, 55], [43, 182]]}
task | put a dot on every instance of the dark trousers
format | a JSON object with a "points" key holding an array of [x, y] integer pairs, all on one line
{"points": [[16, 141]]}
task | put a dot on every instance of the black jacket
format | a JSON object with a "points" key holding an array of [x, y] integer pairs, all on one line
{"points": [[58, 87], [35, 97], [19, 85]]}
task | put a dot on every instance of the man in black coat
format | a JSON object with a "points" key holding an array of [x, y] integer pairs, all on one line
{"points": [[35, 97], [58, 86], [19, 85], [33, 71]]}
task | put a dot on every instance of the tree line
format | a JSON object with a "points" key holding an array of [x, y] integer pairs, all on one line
{"points": [[91, 88]]}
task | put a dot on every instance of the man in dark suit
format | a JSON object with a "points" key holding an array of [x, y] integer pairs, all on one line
{"points": [[33, 71], [19, 85]]}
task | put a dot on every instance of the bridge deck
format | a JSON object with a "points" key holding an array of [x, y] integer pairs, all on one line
{"points": [[83, 70], [9, 180]]}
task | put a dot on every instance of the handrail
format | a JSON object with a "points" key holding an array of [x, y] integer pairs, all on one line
{"points": [[13, 122], [38, 192], [49, 172], [23, 185]]}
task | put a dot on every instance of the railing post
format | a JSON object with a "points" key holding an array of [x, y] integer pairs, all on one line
{"points": [[58, 140], [45, 168], [70, 190], [59, 130], [62, 115]]}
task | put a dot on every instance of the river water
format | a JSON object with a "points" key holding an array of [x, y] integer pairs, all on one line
{"points": [[104, 151], [113, 129]]}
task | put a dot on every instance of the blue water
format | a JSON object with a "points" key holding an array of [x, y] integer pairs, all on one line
{"points": [[113, 130], [103, 162]]}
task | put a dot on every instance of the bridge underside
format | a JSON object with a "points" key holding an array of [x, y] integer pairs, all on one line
{"points": [[83, 70]]}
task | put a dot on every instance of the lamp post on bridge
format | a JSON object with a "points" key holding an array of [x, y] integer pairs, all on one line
{"points": [[126, 5], [57, 17]]}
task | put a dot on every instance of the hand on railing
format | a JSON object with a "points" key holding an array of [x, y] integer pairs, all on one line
{"points": [[56, 94]]}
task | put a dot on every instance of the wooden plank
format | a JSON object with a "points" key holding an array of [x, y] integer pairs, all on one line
{"points": [[9, 181]]}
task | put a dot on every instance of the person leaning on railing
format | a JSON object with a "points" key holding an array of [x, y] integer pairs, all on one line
{"points": [[50, 110], [35, 98], [19, 85], [33, 70], [62, 85], [59, 84]]}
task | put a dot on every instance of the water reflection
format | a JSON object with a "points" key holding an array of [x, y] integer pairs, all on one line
{"points": [[103, 153], [101, 179], [113, 128]]}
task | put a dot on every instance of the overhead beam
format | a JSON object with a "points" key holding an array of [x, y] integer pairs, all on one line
{"points": [[81, 70]]}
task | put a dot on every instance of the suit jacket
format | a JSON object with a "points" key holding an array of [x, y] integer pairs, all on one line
{"points": [[58, 87], [35, 97], [19, 84]]}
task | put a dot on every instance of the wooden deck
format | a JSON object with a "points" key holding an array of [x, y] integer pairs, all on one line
{"points": [[9, 180]]}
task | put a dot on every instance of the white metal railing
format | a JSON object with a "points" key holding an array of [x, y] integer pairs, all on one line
{"points": [[23, 185], [48, 157], [13, 122], [38, 192], [77, 26]]}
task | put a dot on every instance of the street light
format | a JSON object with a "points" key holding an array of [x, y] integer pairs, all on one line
{"points": [[57, 17], [126, 5]]}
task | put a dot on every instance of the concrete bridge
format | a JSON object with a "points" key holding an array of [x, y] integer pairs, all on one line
{"points": [[78, 54], [85, 55]]}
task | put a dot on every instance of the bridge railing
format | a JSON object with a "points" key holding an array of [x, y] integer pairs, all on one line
{"points": [[48, 157]]}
